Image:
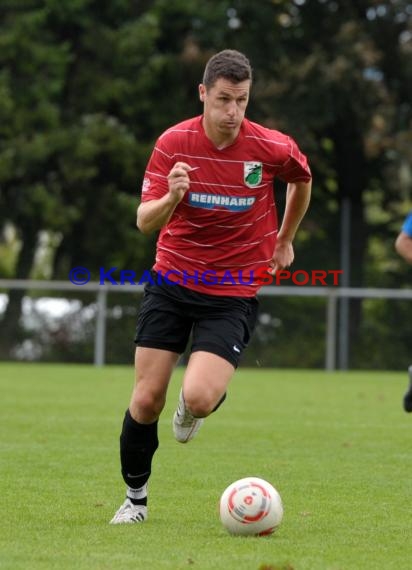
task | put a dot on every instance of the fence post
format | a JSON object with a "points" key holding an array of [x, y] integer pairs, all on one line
{"points": [[331, 322], [344, 306], [100, 332]]}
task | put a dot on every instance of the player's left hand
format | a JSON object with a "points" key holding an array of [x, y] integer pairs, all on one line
{"points": [[283, 256]]}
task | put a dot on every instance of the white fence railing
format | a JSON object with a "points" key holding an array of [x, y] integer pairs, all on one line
{"points": [[335, 340]]}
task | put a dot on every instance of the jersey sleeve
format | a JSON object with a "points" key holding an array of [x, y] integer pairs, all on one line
{"points": [[155, 183], [295, 168], [407, 225]]}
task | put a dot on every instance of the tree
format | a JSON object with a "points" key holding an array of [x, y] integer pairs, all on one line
{"points": [[65, 158]]}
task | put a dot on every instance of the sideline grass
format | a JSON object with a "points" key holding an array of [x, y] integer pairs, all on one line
{"points": [[336, 446]]}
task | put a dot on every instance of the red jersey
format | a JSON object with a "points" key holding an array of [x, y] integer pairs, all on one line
{"points": [[225, 227]]}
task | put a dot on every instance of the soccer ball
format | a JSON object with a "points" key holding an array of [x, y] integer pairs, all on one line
{"points": [[251, 506]]}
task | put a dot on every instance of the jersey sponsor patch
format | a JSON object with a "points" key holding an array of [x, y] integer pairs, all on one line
{"points": [[210, 201], [252, 173]]}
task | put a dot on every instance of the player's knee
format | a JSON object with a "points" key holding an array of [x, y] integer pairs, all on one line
{"points": [[200, 405], [148, 403]]}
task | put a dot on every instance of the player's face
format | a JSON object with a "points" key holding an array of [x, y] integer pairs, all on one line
{"points": [[224, 107]]}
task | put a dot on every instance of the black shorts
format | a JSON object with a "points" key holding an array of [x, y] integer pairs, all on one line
{"points": [[169, 314]]}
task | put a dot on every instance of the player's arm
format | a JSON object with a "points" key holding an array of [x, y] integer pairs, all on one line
{"points": [[297, 202], [154, 214], [403, 246]]}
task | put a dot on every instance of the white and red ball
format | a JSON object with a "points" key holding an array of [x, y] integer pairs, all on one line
{"points": [[251, 506]]}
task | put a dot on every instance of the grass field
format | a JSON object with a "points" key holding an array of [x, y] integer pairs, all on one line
{"points": [[337, 446]]}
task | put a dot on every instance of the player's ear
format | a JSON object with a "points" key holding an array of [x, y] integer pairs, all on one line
{"points": [[202, 92]]}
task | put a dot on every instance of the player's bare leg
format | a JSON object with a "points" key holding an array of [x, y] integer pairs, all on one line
{"points": [[204, 389], [153, 370], [138, 440]]}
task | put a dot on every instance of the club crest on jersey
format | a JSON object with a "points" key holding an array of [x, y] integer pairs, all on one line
{"points": [[252, 173]]}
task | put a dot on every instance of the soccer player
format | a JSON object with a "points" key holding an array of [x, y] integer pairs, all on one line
{"points": [[403, 246], [208, 188]]}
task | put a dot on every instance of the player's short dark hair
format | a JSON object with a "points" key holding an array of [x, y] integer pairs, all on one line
{"points": [[227, 64]]}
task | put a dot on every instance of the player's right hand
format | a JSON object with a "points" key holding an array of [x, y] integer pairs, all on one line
{"points": [[178, 180]]}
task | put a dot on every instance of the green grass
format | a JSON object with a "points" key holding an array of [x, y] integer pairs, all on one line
{"points": [[337, 446]]}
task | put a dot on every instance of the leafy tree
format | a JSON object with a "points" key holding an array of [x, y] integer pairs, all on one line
{"points": [[68, 165]]}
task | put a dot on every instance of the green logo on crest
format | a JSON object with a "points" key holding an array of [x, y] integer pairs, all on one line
{"points": [[253, 173]]}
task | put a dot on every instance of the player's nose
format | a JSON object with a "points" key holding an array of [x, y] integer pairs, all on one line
{"points": [[231, 110]]}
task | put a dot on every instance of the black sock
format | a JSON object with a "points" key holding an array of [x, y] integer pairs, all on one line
{"points": [[138, 443]]}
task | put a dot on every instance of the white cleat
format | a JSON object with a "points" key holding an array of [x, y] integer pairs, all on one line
{"points": [[185, 425], [130, 513]]}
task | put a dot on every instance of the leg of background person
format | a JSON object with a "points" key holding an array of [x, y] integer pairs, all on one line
{"points": [[407, 399]]}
